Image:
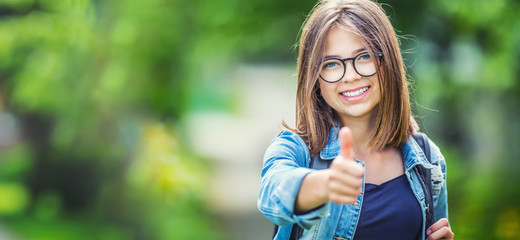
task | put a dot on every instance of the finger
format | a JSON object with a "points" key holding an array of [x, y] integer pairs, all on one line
{"points": [[351, 189], [345, 141], [342, 199], [443, 222], [444, 233], [348, 167], [343, 191], [349, 180]]}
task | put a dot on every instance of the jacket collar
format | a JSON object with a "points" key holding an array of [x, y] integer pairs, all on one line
{"points": [[331, 150], [411, 151], [413, 154]]}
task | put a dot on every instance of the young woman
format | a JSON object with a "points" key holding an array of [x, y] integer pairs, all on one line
{"points": [[352, 109]]}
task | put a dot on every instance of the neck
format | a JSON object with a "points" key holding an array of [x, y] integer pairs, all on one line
{"points": [[361, 131]]}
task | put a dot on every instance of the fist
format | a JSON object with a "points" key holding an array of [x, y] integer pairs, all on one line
{"points": [[440, 230], [345, 176]]}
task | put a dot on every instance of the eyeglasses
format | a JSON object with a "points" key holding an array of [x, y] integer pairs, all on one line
{"points": [[333, 69]]}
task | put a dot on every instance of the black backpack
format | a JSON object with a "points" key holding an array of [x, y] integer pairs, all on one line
{"points": [[424, 174]]}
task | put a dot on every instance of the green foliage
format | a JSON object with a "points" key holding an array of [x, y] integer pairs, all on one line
{"points": [[467, 70], [99, 87], [71, 228], [14, 167], [14, 198], [16, 163], [91, 81]]}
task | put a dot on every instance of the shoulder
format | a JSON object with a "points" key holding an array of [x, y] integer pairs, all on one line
{"points": [[437, 159], [288, 144], [288, 135]]}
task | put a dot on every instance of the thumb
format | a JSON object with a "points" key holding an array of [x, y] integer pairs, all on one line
{"points": [[345, 141]]}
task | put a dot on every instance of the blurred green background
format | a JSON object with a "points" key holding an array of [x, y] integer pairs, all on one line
{"points": [[148, 119]]}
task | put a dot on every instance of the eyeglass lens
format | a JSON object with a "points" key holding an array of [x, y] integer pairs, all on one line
{"points": [[333, 69]]}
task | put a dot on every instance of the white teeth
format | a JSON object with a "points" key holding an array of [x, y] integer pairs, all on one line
{"points": [[355, 93]]}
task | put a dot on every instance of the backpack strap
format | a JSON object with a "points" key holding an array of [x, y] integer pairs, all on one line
{"points": [[318, 163], [422, 140], [425, 178]]}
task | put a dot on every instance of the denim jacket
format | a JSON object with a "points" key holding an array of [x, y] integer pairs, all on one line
{"points": [[286, 163]]}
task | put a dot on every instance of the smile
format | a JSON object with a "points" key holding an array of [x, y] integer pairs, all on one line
{"points": [[355, 93]]}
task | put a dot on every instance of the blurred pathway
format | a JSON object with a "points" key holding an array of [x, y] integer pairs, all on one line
{"points": [[5, 235], [237, 141]]}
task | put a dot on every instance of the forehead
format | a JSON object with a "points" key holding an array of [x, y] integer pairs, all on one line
{"points": [[342, 42]]}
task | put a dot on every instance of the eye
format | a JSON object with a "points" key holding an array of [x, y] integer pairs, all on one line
{"points": [[364, 57], [330, 64]]}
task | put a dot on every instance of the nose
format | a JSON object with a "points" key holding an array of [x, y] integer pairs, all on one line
{"points": [[350, 72]]}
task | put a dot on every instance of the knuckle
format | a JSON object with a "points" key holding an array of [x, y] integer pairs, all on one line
{"points": [[355, 169], [341, 199], [351, 200], [444, 221], [333, 186], [338, 165], [359, 183], [358, 191], [359, 170], [334, 163], [336, 198], [356, 183], [335, 175]]}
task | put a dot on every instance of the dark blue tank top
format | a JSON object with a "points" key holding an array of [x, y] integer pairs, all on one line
{"points": [[390, 211]]}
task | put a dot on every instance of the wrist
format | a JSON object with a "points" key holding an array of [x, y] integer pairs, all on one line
{"points": [[313, 191], [324, 176]]}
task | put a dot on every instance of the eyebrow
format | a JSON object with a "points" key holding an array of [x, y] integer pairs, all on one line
{"points": [[354, 53]]}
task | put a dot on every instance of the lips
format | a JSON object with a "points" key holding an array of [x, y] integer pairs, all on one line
{"points": [[355, 93]]}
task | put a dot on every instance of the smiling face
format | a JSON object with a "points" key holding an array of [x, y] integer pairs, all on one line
{"points": [[353, 96]]}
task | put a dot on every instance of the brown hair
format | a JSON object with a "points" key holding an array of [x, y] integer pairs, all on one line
{"points": [[393, 123]]}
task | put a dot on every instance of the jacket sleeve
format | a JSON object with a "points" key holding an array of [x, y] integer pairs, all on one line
{"points": [[283, 171], [439, 184]]}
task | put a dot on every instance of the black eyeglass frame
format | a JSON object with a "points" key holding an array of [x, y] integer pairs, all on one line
{"points": [[379, 54]]}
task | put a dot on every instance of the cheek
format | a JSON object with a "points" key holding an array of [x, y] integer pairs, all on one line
{"points": [[326, 92]]}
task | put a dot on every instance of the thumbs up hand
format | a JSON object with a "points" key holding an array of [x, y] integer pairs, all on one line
{"points": [[345, 178]]}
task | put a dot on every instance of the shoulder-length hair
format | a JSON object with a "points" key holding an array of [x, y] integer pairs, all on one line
{"points": [[393, 122]]}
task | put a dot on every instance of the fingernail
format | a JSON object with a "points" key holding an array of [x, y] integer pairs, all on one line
{"points": [[428, 232]]}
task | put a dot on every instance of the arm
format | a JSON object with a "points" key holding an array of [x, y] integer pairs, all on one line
{"points": [[439, 183], [292, 193], [313, 192], [441, 228], [341, 183], [284, 169]]}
